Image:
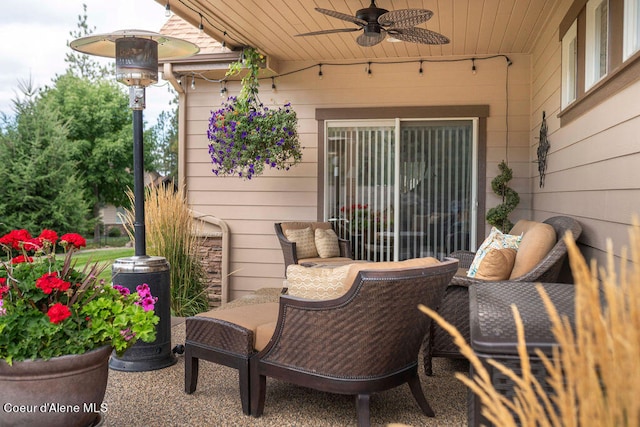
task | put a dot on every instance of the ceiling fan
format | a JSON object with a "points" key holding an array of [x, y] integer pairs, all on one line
{"points": [[377, 23]]}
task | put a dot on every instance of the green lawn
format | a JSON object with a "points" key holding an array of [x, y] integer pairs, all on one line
{"points": [[103, 256]]}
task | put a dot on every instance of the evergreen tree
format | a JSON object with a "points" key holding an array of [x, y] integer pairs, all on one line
{"points": [[38, 174], [163, 139]]}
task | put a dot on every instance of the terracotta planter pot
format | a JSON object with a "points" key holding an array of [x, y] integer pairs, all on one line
{"points": [[64, 391]]}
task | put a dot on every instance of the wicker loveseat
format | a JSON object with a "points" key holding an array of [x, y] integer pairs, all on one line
{"points": [[455, 303], [364, 341], [307, 249]]}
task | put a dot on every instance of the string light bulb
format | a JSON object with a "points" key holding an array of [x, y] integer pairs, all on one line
{"points": [[201, 27], [369, 73], [223, 89], [224, 40], [473, 66], [167, 10], [273, 84], [421, 70], [193, 82], [320, 75]]}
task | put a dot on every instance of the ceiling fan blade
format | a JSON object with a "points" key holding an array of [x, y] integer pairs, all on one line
{"points": [[418, 35], [337, 30], [405, 18], [370, 39], [342, 16]]}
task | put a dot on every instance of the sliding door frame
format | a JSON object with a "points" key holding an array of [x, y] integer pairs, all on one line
{"points": [[481, 112]]}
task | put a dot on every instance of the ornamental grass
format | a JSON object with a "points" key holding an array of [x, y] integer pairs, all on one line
{"points": [[594, 372], [172, 233]]}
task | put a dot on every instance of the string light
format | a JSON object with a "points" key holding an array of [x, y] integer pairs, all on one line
{"points": [[320, 71], [224, 41], [273, 84], [473, 66], [223, 89], [201, 27], [167, 10], [369, 73], [193, 82], [421, 70]]}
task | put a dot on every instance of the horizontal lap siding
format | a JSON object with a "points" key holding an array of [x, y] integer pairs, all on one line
{"points": [[250, 208], [593, 166]]}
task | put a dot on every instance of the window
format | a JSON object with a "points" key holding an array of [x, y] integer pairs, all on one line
{"points": [[569, 65], [631, 28], [596, 42], [600, 45]]}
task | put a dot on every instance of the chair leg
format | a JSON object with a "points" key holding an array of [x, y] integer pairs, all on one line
{"points": [[427, 349], [418, 394], [362, 407], [245, 387], [257, 389], [190, 371]]}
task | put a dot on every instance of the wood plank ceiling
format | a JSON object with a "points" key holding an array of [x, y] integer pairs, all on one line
{"points": [[475, 27]]}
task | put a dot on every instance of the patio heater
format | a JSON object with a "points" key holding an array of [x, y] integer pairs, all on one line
{"points": [[136, 53]]}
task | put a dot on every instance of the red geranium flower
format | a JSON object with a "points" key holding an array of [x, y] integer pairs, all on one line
{"points": [[32, 245], [14, 238], [48, 236], [73, 239], [20, 259], [50, 282], [58, 312]]}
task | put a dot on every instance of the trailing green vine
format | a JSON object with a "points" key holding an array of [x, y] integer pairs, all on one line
{"points": [[499, 215]]}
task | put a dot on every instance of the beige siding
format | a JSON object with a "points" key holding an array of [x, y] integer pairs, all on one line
{"points": [[251, 207], [593, 169]]}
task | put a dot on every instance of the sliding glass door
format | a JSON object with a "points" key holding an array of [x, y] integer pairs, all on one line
{"points": [[407, 199]]}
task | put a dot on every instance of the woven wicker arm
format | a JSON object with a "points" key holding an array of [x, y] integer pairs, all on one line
{"points": [[366, 341], [455, 303], [288, 247]]}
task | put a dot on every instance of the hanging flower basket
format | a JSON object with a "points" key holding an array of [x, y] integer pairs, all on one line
{"points": [[245, 136]]}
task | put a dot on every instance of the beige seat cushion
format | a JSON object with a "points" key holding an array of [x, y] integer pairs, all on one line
{"points": [[497, 264], [354, 269], [338, 260], [326, 241], [316, 283], [263, 334], [305, 242], [536, 243], [251, 317]]}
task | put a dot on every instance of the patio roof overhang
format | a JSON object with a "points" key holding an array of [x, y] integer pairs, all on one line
{"points": [[475, 27]]}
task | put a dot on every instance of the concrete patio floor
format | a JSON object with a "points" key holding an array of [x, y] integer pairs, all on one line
{"points": [[157, 398]]}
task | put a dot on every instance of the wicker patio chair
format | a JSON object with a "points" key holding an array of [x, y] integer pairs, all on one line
{"points": [[289, 248], [455, 303], [363, 342]]}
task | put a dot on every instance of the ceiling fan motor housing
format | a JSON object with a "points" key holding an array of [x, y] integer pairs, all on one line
{"points": [[371, 15]]}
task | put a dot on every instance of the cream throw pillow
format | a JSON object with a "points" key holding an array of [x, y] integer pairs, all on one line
{"points": [[495, 240], [316, 283], [305, 242], [327, 243]]}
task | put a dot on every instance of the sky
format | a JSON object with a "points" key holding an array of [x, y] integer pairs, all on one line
{"points": [[34, 35]]}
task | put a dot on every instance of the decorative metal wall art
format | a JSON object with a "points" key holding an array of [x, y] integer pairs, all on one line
{"points": [[543, 149]]}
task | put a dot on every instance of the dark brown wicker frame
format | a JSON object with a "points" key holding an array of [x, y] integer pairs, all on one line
{"points": [[318, 344], [455, 303], [289, 247]]}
